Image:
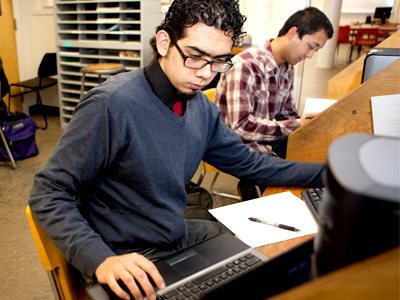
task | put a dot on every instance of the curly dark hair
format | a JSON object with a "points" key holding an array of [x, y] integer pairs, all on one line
{"points": [[222, 14], [308, 21]]}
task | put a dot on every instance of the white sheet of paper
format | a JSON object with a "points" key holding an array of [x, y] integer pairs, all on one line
{"points": [[284, 208], [386, 115], [317, 105]]}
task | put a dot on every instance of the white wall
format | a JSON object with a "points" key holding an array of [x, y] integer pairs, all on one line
{"points": [[35, 36], [364, 6], [356, 11], [265, 19], [35, 32]]}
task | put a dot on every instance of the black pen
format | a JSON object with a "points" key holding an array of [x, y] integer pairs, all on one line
{"points": [[308, 118], [283, 226]]}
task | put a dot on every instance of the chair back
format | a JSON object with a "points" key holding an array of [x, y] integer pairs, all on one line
{"points": [[386, 32], [65, 277], [210, 94], [5, 87], [48, 65], [366, 37], [343, 34]]}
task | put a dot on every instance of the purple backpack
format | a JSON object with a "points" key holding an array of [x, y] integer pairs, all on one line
{"points": [[19, 131]]}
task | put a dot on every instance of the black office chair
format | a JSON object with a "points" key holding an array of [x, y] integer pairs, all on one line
{"points": [[47, 68]]}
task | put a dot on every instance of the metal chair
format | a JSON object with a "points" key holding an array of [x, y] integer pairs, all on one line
{"points": [[364, 37], [386, 31], [47, 68], [100, 69], [209, 168], [64, 279], [343, 37]]}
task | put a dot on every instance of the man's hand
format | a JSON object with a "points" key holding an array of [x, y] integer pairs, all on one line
{"points": [[307, 118], [128, 268]]}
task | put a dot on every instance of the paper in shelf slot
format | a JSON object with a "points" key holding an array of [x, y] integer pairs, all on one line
{"points": [[67, 53], [317, 105], [386, 115], [112, 28], [107, 20], [284, 208], [69, 108], [110, 8]]}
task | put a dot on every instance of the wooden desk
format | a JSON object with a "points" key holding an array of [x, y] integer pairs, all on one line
{"points": [[382, 27], [385, 30], [374, 278]]}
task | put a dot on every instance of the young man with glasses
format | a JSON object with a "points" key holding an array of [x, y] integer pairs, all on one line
{"points": [[112, 195]]}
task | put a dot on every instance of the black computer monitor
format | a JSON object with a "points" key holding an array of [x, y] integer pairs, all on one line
{"points": [[382, 13], [377, 59], [361, 205]]}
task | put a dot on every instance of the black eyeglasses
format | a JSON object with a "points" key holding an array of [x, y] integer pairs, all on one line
{"points": [[199, 63]]}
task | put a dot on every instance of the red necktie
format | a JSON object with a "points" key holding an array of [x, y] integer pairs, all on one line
{"points": [[177, 108]]}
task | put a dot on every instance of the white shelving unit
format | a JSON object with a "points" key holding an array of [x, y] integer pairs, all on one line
{"points": [[90, 31]]}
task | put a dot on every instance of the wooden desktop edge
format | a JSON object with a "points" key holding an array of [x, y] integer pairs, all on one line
{"points": [[374, 278], [377, 277]]}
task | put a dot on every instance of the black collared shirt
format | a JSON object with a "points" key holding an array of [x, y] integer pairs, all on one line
{"points": [[161, 85]]}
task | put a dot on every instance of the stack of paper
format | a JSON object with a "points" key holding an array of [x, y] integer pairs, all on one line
{"points": [[386, 115], [284, 208], [317, 105]]}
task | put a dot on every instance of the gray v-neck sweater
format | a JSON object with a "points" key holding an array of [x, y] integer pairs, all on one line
{"points": [[129, 158]]}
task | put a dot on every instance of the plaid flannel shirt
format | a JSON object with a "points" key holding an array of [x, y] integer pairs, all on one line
{"points": [[253, 103]]}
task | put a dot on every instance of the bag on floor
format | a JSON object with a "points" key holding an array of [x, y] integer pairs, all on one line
{"points": [[19, 131], [199, 201]]}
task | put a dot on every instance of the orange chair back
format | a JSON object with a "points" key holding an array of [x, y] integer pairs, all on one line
{"points": [[210, 94], [366, 37], [65, 278], [344, 34]]}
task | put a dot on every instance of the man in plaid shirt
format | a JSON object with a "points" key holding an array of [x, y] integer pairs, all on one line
{"points": [[256, 95]]}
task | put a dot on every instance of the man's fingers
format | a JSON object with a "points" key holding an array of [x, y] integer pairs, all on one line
{"points": [[130, 284], [130, 270], [143, 281], [150, 268], [117, 290], [142, 269]]}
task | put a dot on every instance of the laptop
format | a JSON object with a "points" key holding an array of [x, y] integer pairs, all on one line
{"points": [[270, 278], [196, 271]]}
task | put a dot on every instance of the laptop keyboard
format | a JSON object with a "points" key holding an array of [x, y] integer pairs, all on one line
{"points": [[195, 288], [313, 199]]}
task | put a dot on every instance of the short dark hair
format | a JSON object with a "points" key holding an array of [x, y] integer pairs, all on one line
{"points": [[308, 21], [222, 14]]}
